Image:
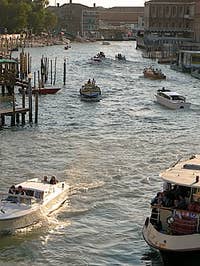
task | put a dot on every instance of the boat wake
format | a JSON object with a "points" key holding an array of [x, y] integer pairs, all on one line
{"points": [[195, 107]]}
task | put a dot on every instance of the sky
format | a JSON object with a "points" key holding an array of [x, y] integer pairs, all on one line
{"points": [[104, 3]]}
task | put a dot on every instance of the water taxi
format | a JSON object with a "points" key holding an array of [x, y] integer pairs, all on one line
{"points": [[171, 99], [153, 73], [30, 202], [173, 227], [90, 92]]}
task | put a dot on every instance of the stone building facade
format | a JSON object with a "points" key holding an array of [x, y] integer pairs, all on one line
{"points": [[90, 23], [70, 17], [197, 22], [87, 21], [169, 22]]}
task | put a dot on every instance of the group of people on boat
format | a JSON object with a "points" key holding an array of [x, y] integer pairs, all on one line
{"points": [[52, 181], [101, 55], [120, 57], [153, 72], [175, 197], [91, 82], [17, 191], [20, 191]]}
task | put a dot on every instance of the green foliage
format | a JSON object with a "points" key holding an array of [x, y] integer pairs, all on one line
{"points": [[24, 15]]}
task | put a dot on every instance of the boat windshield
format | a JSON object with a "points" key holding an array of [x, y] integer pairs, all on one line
{"points": [[177, 98], [191, 166]]}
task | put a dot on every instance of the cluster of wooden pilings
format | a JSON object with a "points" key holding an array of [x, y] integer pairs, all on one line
{"points": [[48, 71], [15, 74]]}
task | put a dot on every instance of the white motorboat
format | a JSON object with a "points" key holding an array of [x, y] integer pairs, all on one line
{"points": [[38, 200], [173, 227], [172, 100], [98, 58]]}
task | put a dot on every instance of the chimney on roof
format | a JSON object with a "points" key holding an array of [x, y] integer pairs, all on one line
{"points": [[94, 5]]}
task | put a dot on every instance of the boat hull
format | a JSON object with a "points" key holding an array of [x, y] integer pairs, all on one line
{"points": [[88, 98], [170, 244], [44, 91], [172, 104], [12, 224], [90, 92], [154, 77]]}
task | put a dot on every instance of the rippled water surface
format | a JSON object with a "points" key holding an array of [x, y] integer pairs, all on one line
{"points": [[111, 153]]}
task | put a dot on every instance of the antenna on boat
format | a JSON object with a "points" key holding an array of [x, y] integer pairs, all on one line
{"points": [[178, 160]]}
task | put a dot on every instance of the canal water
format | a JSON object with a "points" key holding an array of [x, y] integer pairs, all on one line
{"points": [[111, 153]]}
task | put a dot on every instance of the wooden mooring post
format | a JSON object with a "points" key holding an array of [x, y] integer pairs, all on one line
{"points": [[64, 72]]}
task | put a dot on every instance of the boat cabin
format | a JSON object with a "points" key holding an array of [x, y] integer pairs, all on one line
{"points": [[174, 96], [37, 190]]}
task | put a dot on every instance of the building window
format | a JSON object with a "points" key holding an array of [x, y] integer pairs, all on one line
{"points": [[180, 11], [153, 11], [174, 11], [167, 11]]}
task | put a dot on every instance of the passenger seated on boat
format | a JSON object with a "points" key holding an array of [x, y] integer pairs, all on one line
{"points": [[89, 81], [93, 81], [180, 203], [45, 180], [12, 190], [53, 180], [20, 191], [158, 200]]}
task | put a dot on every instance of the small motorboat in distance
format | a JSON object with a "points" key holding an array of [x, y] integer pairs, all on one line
{"points": [[90, 92], [120, 57], [67, 47], [173, 225], [101, 55], [98, 58], [30, 202], [105, 43], [152, 73], [171, 99]]}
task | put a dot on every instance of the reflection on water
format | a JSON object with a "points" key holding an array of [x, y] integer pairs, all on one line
{"points": [[152, 258]]}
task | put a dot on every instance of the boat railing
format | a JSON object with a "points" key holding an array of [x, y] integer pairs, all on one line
{"points": [[17, 198]]}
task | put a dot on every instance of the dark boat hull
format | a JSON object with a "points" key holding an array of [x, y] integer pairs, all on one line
{"points": [[47, 90]]}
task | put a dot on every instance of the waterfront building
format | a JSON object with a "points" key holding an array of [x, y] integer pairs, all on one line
{"points": [[120, 22], [90, 23], [69, 18], [168, 25], [197, 22], [187, 61], [77, 19]]}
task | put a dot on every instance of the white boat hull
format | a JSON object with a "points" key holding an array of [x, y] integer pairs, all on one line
{"points": [[170, 243], [172, 104]]}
